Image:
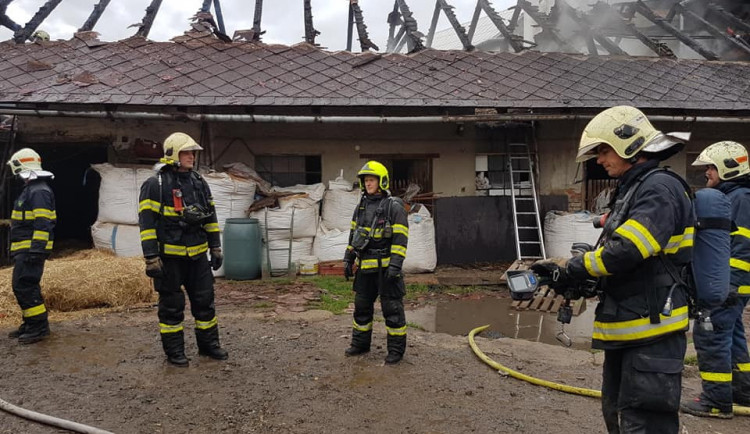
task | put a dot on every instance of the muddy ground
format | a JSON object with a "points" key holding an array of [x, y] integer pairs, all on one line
{"points": [[287, 374]]}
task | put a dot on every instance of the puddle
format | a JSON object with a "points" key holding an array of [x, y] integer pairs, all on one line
{"points": [[458, 317]]}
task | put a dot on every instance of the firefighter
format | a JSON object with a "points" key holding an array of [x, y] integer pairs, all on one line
{"points": [[31, 238], [640, 260], [723, 357], [377, 242], [178, 226]]}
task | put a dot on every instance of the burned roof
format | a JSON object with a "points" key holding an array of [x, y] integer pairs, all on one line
{"points": [[199, 70]]}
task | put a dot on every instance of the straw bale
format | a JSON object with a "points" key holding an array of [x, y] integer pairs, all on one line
{"points": [[86, 279]]}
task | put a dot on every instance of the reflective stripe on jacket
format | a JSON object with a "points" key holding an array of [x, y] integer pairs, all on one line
{"points": [[739, 195], [163, 227], [633, 277], [33, 219]]}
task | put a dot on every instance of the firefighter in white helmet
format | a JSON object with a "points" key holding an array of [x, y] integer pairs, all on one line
{"points": [[40, 36], [377, 242], [179, 226], [31, 239], [723, 358], [646, 244]]}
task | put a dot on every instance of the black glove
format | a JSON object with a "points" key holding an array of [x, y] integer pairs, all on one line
{"points": [[554, 271], [34, 258], [348, 271], [393, 273], [154, 267], [217, 258]]}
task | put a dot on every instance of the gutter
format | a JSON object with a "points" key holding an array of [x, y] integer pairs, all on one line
{"points": [[247, 118]]}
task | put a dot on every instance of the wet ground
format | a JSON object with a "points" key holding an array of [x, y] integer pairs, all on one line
{"points": [[287, 374]]}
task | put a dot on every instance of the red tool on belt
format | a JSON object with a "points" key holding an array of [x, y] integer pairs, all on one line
{"points": [[177, 199]]}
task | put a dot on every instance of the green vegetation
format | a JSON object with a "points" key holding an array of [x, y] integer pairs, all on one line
{"points": [[691, 361]]}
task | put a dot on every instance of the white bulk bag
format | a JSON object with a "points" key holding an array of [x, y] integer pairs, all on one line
{"points": [[119, 192], [338, 208], [279, 258], [421, 253], [305, 222], [232, 196], [123, 240], [330, 244], [562, 229]]}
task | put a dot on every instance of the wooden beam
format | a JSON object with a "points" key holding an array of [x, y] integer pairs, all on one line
{"points": [[95, 15]]}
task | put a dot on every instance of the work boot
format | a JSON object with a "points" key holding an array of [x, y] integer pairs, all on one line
{"points": [[741, 387], [174, 348], [699, 407], [356, 351], [393, 357], [396, 348], [208, 343], [17, 332], [35, 331]]}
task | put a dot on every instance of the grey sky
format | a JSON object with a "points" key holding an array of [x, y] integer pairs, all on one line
{"points": [[282, 19]]}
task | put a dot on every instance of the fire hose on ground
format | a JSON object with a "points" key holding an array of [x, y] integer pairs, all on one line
{"points": [[50, 420], [738, 410]]}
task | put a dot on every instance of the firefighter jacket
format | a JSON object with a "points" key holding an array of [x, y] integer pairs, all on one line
{"points": [[379, 221], [636, 263], [176, 215], [33, 219], [739, 262]]}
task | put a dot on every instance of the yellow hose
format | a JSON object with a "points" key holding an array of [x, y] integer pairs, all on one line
{"points": [[738, 409]]}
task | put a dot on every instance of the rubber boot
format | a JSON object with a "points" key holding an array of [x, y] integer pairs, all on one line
{"points": [[396, 349], [741, 387], [360, 343], [174, 348], [208, 343], [36, 329], [18, 332]]}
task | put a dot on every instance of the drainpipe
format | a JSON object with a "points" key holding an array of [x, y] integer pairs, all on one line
{"points": [[205, 117]]}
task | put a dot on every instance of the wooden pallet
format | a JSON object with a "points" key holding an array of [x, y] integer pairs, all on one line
{"points": [[545, 300]]}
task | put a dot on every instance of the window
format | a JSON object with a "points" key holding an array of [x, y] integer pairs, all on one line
{"points": [[492, 175], [288, 170]]}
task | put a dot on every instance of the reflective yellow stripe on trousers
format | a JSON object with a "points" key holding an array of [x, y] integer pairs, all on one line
{"points": [[717, 377], [34, 311], [203, 325], [166, 328]]}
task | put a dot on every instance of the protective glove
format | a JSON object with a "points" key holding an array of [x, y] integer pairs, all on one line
{"points": [[34, 258], [555, 271], [217, 258], [348, 269], [154, 267], [393, 274]]}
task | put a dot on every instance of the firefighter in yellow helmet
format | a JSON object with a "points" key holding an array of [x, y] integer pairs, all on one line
{"points": [[40, 36], [377, 242], [31, 237], [641, 319], [723, 358], [178, 226]]}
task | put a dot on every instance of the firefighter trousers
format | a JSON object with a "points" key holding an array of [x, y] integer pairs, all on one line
{"points": [[26, 278], [723, 357], [642, 385], [367, 287], [194, 274]]}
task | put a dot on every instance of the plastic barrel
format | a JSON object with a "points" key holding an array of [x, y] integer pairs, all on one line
{"points": [[242, 249]]}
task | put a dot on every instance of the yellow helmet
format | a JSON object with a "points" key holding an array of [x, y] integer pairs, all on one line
{"points": [[176, 143], [375, 169], [626, 129], [25, 160], [40, 35], [730, 159]]}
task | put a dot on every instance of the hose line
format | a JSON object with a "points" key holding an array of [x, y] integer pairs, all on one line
{"points": [[738, 409], [50, 420]]}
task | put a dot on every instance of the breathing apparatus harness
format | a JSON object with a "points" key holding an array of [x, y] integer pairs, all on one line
{"points": [[191, 215]]}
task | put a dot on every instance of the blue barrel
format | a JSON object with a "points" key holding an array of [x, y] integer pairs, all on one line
{"points": [[242, 249]]}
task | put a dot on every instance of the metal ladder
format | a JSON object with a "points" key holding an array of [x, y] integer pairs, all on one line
{"points": [[290, 269], [526, 222]]}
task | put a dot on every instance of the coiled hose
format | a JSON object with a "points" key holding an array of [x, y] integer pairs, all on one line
{"points": [[50, 420], [738, 409]]}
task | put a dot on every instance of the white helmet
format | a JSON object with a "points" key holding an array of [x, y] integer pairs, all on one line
{"points": [[26, 163], [730, 159], [40, 35], [627, 130], [176, 143]]}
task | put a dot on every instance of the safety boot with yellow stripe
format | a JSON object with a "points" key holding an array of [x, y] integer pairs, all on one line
{"points": [[701, 408]]}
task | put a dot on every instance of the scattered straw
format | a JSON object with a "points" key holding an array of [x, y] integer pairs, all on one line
{"points": [[84, 280]]}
